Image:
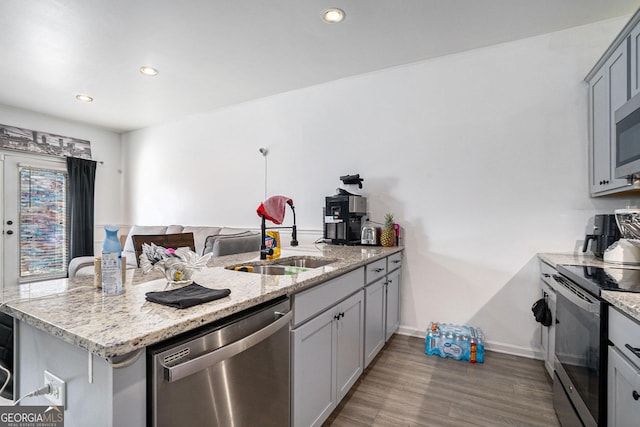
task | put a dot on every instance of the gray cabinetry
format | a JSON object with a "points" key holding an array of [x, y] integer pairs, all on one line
{"points": [[608, 91], [382, 315], [349, 324], [634, 60], [314, 391], [392, 318], [623, 406], [338, 328], [374, 333], [327, 346]]}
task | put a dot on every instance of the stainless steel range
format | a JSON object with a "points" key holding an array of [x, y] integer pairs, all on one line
{"points": [[580, 386]]}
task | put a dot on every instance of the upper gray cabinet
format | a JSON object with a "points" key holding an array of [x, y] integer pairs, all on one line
{"points": [[613, 81], [607, 93], [634, 60]]}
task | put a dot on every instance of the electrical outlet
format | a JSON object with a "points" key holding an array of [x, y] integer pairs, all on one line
{"points": [[57, 393]]}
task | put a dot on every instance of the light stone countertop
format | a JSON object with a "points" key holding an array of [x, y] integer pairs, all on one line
{"points": [[627, 302], [76, 312]]}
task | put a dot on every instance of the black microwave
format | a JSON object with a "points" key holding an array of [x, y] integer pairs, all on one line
{"points": [[627, 150]]}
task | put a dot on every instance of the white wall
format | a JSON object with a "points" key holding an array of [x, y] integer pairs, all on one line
{"points": [[105, 147], [481, 156]]}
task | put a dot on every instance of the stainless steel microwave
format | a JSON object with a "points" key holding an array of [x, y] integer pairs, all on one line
{"points": [[627, 120]]}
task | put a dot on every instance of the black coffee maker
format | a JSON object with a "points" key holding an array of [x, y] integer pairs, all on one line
{"points": [[605, 232]]}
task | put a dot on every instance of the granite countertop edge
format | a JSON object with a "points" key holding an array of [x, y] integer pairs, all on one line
{"points": [[626, 302], [113, 339]]}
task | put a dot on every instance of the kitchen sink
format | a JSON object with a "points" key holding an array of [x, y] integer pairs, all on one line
{"points": [[276, 270], [280, 267], [305, 262]]}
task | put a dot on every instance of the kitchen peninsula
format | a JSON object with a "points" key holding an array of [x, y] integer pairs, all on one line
{"points": [[96, 344]]}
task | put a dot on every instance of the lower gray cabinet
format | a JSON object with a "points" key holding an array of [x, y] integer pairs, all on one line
{"points": [[327, 360], [624, 391], [393, 303], [382, 314], [350, 343], [623, 388], [375, 330]]}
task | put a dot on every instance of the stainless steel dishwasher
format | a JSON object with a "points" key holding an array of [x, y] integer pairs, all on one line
{"points": [[235, 373]]}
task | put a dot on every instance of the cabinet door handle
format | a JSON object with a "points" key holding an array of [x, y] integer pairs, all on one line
{"points": [[389, 281], [635, 395], [633, 350], [396, 261]]}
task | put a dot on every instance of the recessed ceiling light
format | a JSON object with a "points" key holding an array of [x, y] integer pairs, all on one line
{"points": [[333, 15], [148, 71], [84, 98]]}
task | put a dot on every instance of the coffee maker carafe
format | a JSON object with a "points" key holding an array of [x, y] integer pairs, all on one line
{"points": [[605, 233]]}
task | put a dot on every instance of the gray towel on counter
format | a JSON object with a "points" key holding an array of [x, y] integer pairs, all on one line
{"points": [[187, 296]]}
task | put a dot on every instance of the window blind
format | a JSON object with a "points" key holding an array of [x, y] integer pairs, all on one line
{"points": [[44, 235]]}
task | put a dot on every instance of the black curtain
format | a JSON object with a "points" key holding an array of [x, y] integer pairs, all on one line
{"points": [[82, 177]]}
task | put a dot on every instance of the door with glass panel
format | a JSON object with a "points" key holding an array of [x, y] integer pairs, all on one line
{"points": [[35, 221]]}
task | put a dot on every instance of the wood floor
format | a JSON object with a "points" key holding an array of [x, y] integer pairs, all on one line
{"points": [[405, 387]]}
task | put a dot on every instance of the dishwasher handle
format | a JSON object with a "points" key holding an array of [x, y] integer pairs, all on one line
{"points": [[182, 370]]}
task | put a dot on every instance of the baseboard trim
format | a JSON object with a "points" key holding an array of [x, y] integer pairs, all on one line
{"points": [[498, 347]]}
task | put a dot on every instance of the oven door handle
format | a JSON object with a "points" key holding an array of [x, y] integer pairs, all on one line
{"points": [[200, 363], [588, 306]]}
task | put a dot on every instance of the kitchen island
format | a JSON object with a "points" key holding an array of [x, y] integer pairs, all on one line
{"points": [[96, 344]]}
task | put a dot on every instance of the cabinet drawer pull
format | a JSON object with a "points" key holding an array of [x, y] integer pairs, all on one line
{"points": [[635, 395], [378, 270], [396, 261], [633, 350]]}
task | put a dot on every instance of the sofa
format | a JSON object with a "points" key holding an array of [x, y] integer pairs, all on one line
{"points": [[216, 240]]}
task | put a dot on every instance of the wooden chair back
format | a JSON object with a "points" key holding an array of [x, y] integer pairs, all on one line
{"points": [[175, 241]]}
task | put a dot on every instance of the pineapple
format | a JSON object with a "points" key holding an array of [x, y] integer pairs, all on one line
{"points": [[388, 236]]}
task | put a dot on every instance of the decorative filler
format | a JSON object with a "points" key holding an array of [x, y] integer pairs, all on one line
{"points": [[33, 141], [388, 236], [177, 265]]}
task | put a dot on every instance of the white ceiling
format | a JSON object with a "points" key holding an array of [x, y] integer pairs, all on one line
{"points": [[214, 53]]}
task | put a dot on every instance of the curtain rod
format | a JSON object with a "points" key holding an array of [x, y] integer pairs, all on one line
{"points": [[33, 154]]}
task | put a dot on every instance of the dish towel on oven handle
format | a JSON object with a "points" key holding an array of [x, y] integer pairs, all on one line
{"points": [[541, 312], [187, 296]]}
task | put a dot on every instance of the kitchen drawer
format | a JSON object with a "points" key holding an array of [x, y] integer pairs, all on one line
{"points": [[394, 261], [376, 270], [317, 299], [623, 331]]}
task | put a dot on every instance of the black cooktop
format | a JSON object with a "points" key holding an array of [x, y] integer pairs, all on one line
{"points": [[597, 279]]}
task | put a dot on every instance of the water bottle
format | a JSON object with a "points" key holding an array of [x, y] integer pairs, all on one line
{"points": [[111, 262]]}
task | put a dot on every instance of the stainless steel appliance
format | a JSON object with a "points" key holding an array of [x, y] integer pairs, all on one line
{"points": [[580, 386], [370, 234], [233, 373], [605, 233], [627, 120], [344, 216]]}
